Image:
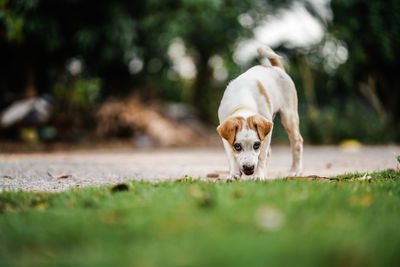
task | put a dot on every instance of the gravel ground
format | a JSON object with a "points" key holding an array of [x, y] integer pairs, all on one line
{"points": [[40, 171]]}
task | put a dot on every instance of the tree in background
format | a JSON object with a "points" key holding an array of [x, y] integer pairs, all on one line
{"points": [[347, 83], [120, 47], [371, 32], [50, 33], [210, 28], [39, 37]]}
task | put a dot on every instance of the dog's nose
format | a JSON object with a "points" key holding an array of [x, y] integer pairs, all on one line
{"points": [[248, 169]]}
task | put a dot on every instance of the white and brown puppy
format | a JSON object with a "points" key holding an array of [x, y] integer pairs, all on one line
{"points": [[246, 115]]}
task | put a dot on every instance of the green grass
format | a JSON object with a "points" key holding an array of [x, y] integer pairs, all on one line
{"points": [[347, 222]]}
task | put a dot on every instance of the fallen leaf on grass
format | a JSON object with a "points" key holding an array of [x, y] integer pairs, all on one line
{"points": [[205, 199], [363, 178], [194, 192], [119, 188], [212, 175], [185, 179], [238, 193], [41, 206], [63, 176], [310, 177], [59, 176], [364, 200]]}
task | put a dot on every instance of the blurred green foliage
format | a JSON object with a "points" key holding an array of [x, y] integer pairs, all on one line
{"points": [[12, 23], [350, 91], [85, 93], [370, 30], [108, 35], [347, 83]]}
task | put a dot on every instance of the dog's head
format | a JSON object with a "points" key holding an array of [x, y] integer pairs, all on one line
{"points": [[246, 138]]}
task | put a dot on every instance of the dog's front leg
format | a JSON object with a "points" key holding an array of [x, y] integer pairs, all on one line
{"points": [[234, 169], [261, 169]]}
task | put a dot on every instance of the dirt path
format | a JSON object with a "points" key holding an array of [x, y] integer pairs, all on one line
{"points": [[39, 171]]}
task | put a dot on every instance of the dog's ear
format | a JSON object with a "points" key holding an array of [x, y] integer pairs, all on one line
{"points": [[260, 124], [230, 127]]}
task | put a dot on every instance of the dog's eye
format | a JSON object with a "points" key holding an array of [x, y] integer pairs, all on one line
{"points": [[256, 145], [237, 147]]}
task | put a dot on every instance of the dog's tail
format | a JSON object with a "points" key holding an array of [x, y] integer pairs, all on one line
{"points": [[266, 51]]}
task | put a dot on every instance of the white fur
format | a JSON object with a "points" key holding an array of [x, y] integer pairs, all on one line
{"points": [[244, 92]]}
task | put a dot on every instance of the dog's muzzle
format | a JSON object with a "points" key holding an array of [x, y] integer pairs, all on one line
{"points": [[248, 169]]}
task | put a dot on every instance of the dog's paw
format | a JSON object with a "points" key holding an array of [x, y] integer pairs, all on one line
{"points": [[259, 176], [294, 172], [233, 176]]}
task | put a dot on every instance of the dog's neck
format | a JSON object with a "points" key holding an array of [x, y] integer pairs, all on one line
{"points": [[243, 110]]}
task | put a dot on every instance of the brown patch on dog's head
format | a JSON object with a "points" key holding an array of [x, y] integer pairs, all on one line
{"points": [[230, 127], [260, 124]]}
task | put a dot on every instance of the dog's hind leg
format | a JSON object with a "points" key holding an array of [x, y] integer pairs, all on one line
{"points": [[290, 120]]}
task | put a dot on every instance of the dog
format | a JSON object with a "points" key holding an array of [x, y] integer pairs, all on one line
{"points": [[246, 113]]}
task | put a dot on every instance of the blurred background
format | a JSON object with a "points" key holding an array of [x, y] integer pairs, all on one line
{"points": [[152, 73]]}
